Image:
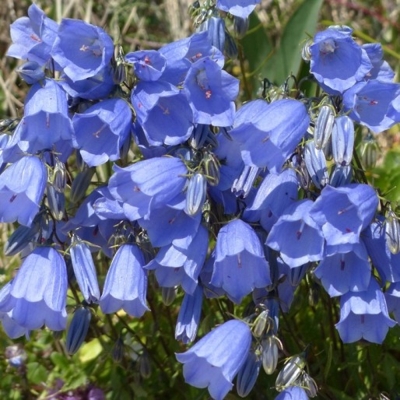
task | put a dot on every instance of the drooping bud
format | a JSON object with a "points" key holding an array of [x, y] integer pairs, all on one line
{"points": [[241, 186], [297, 274], [248, 374], [215, 28], [392, 230], [168, 295], [211, 169], [341, 176], [316, 165], [343, 140], [80, 184], [240, 26], [144, 364], [323, 126], [56, 201], [290, 372], [22, 236], [270, 347], [78, 329], [85, 271], [59, 176], [369, 151], [31, 72], [261, 324], [196, 194], [308, 384]]}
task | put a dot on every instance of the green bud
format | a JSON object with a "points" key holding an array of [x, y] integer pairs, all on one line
{"points": [[392, 230], [290, 372]]}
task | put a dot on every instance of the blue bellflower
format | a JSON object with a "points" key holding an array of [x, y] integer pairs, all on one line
{"points": [[22, 187], [38, 293], [211, 92], [46, 120], [343, 212], [125, 286], [101, 130], [337, 61], [148, 184], [82, 49], [240, 264], [33, 36], [242, 8], [148, 65], [269, 133], [292, 393], [364, 315], [297, 236], [214, 361]]}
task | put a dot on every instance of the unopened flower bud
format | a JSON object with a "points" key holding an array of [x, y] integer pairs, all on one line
{"points": [[316, 165], [168, 295], [261, 323], [241, 186], [323, 126], [196, 194], [211, 169], [248, 374], [297, 274], [215, 28], [78, 329], [59, 180], [240, 26], [31, 72], [343, 140], [270, 347], [144, 364], [308, 384], [56, 201], [369, 151], [290, 372], [80, 184], [341, 176], [305, 51], [392, 230]]}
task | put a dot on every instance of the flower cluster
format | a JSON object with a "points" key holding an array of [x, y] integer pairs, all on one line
{"points": [[204, 197]]}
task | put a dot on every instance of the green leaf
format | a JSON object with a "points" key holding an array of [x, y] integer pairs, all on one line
{"points": [[287, 58], [37, 373]]}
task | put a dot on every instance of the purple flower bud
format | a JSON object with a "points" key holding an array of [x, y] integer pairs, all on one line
{"points": [[248, 374], [78, 329], [196, 194], [323, 127], [85, 271], [215, 28], [316, 165], [240, 26], [31, 72], [343, 140]]}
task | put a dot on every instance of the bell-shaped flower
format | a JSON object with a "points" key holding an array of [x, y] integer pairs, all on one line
{"points": [[33, 36], [22, 187], [148, 65], [241, 8], [215, 360], [364, 315], [211, 92], [269, 133], [275, 193], [189, 316], [369, 102], [148, 184], [386, 263], [337, 61], [38, 293], [343, 212], [292, 393], [101, 130], [182, 53], [125, 286], [82, 49], [343, 272], [180, 262], [381, 70], [240, 264], [46, 119], [163, 112], [85, 271], [296, 236]]}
